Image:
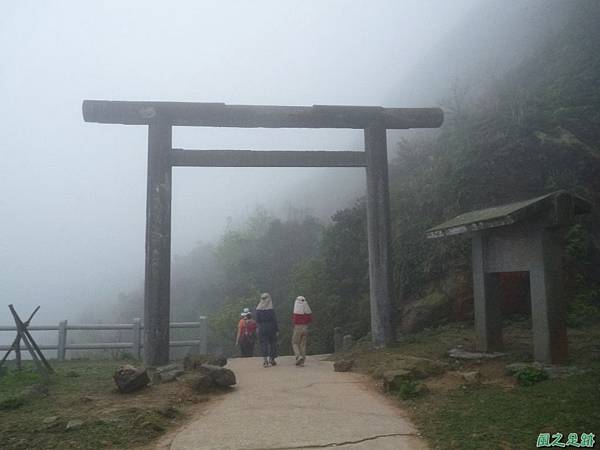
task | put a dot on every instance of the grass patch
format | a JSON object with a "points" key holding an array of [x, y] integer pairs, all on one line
{"points": [[488, 416], [32, 418], [501, 412]]}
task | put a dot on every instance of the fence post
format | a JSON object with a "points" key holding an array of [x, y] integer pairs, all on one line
{"points": [[203, 337], [62, 340], [137, 338]]}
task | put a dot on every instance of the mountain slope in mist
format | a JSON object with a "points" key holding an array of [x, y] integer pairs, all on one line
{"points": [[532, 131]]}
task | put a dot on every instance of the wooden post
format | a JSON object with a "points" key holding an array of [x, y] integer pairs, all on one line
{"points": [[158, 245], [338, 337], [137, 338], [18, 351], [203, 335], [62, 340], [379, 235]]}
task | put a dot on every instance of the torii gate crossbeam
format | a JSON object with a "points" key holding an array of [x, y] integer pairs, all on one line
{"points": [[160, 117]]}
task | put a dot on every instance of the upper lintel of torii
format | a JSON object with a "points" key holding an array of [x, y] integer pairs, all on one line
{"points": [[259, 116]]}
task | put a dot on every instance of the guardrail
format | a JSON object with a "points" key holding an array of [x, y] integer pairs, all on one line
{"points": [[136, 346]]}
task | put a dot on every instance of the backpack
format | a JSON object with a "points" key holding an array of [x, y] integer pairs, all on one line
{"points": [[248, 329]]}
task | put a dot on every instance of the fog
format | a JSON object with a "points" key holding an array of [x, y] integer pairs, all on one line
{"points": [[72, 207]]}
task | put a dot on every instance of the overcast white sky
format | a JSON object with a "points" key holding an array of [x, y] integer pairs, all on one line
{"points": [[72, 207]]}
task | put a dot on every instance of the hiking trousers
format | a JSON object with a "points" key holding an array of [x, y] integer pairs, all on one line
{"points": [[268, 344], [299, 338]]}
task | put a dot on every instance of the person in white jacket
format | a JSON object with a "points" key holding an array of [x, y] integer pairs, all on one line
{"points": [[301, 319]]}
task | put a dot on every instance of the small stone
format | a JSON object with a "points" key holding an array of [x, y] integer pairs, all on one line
{"points": [[168, 412], [463, 354], [472, 377], [345, 365], [50, 420], [74, 424], [149, 425], [165, 374]]}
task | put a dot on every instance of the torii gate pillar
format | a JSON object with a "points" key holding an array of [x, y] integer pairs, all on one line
{"points": [[379, 235], [157, 284]]}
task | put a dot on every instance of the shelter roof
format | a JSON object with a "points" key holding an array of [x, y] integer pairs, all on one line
{"points": [[509, 214]]}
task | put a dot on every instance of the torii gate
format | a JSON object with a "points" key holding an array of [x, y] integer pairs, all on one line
{"points": [[161, 117]]}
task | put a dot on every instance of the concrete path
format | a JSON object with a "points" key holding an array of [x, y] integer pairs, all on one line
{"points": [[289, 407]]}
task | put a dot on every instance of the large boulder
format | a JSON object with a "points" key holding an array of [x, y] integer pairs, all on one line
{"points": [[201, 383], [220, 375], [129, 378], [193, 362]]}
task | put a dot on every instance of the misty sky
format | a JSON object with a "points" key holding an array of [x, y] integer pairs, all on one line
{"points": [[72, 208]]}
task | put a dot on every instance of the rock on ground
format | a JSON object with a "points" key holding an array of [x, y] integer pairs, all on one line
{"points": [[129, 378], [192, 362], [459, 353], [552, 371], [201, 383], [164, 374], [472, 377], [73, 424], [220, 375], [345, 365]]}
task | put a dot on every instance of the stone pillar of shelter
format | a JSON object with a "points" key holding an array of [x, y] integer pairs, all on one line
{"points": [[486, 293], [548, 310]]}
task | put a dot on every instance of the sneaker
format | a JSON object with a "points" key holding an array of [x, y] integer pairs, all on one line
{"points": [[301, 361], [298, 360], [265, 363], [273, 363]]}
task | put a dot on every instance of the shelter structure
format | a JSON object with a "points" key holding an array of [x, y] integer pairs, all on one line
{"points": [[161, 117], [528, 237]]}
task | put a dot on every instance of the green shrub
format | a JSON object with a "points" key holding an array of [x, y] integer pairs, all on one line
{"points": [[529, 376], [408, 389], [12, 403]]}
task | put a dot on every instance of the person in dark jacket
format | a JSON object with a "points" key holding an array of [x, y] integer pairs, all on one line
{"points": [[267, 329]]}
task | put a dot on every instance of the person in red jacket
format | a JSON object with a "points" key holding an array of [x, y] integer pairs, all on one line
{"points": [[302, 317], [246, 334]]}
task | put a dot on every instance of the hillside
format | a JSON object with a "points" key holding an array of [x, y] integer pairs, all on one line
{"points": [[534, 130]]}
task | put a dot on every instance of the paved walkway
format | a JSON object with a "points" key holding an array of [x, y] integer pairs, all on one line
{"points": [[289, 407]]}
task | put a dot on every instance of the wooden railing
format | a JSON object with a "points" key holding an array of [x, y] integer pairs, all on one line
{"points": [[136, 346]]}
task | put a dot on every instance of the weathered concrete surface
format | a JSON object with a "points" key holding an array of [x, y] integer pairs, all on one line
{"points": [[289, 407]]}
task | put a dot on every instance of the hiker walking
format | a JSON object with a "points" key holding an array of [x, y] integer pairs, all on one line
{"points": [[302, 317], [246, 334], [267, 329]]}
